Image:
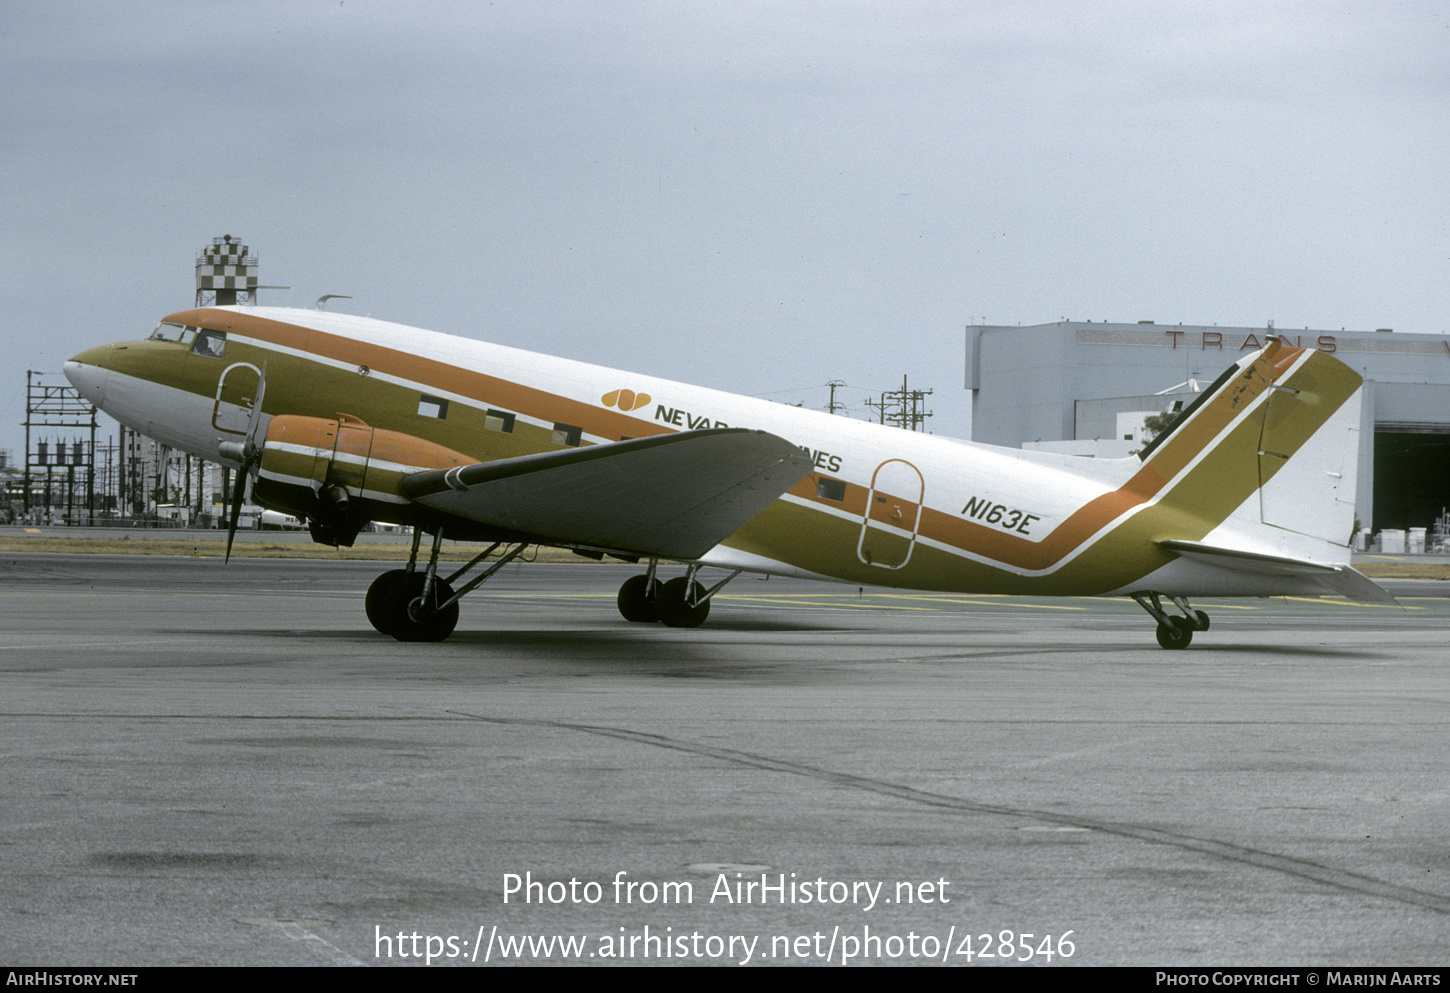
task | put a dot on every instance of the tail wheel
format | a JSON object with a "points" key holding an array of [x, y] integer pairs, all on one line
{"points": [[409, 618], [682, 603], [1177, 633]]}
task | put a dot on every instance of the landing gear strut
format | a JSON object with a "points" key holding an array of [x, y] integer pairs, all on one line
{"points": [[1174, 630], [679, 603], [420, 606]]}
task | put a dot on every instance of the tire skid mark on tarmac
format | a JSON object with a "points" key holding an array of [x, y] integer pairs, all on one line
{"points": [[1302, 868]]}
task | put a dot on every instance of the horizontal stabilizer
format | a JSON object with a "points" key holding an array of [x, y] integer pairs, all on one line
{"points": [[673, 496], [1341, 580]]}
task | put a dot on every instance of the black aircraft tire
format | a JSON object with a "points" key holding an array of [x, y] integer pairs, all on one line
{"points": [[635, 602], [1175, 634], [376, 602], [670, 599], [429, 624]]}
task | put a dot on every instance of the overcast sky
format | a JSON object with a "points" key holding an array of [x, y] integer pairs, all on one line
{"points": [[758, 197]]}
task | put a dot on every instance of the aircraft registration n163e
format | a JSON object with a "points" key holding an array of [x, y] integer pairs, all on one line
{"points": [[342, 420]]}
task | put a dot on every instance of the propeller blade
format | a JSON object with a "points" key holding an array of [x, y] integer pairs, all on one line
{"points": [[251, 458], [254, 419], [238, 490]]}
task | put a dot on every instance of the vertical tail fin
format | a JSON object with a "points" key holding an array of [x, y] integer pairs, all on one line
{"points": [[1260, 474]]}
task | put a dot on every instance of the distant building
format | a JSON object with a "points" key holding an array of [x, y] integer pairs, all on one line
{"points": [[1069, 381]]}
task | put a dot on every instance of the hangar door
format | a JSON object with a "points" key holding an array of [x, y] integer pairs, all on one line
{"points": [[1411, 478]]}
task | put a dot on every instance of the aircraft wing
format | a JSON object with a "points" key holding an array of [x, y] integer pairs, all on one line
{"points": [[673, 496], [1342, 580]]}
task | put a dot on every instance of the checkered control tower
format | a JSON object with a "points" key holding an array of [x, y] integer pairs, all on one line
{"points": [[226, 274]]}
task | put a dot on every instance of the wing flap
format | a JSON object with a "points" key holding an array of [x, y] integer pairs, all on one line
{"points": [[1341, 580], [673, 496]]}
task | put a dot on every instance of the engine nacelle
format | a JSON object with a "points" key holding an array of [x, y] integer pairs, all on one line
{"points": [[339, 474]]}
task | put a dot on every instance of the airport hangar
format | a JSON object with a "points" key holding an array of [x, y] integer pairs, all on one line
{"points": [[1063, 385]]}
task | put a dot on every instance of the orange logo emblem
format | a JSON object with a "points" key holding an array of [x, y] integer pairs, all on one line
{"points": [[625, 400]]}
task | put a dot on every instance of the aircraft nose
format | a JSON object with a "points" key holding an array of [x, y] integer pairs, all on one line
{"points": [[88, 375]]}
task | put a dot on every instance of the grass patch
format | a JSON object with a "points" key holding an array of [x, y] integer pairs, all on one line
{"points": [[216, 549], [1405, 570]]}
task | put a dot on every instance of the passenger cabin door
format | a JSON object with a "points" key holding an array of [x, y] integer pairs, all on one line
{"points": [[893, 515]]}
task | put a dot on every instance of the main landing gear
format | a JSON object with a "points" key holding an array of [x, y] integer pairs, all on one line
{"points": [[1174, 630], [679, 603], [413, 604], [421, 606]]}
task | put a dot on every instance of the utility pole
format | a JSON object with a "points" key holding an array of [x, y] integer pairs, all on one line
{"points": [[48, 405], [902, 408]]}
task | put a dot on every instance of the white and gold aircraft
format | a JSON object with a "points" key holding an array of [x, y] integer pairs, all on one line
{"points": [[342, 420]]}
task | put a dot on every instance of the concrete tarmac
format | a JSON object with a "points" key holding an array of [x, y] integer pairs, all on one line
{"points": [[225, 765]]}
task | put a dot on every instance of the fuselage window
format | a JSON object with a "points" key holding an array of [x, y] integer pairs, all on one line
{"points": [[567, 434], [830, 489], [498, 420], [432, 407], [210, 343]]}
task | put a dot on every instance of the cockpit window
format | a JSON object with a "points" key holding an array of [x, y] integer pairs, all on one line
{"points": [[209, 343], [183, 333]]}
